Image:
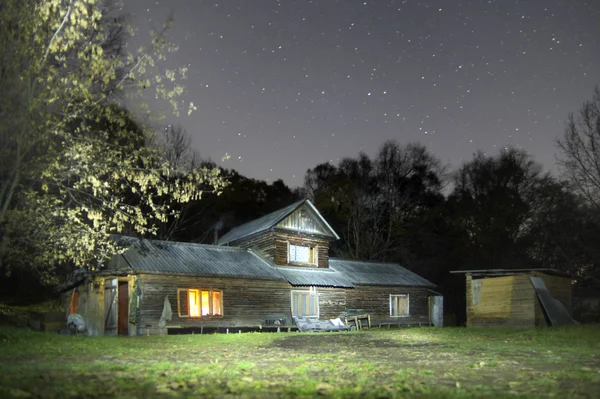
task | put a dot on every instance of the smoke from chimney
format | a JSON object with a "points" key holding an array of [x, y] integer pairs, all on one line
{"points": [[217, 228]]}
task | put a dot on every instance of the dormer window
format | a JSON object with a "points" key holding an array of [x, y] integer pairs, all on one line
{"points": [[302, 254]]}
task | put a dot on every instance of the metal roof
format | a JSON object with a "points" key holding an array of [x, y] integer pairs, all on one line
{"points": [[374, 273], [510, 272], [269, 221], [303, 276], [167, 257]]}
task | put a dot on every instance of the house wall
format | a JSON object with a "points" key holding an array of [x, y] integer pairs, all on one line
{"points": [[245, 302], [274, 244], [332, 302], [375, 300], [507, 301], [281, 247], [264, 242]]}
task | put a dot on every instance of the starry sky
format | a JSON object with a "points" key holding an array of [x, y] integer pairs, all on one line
{"points": [[283, 85]]}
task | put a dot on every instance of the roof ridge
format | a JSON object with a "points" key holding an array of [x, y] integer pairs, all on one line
{"points": [[183, 243], [377, 262]]}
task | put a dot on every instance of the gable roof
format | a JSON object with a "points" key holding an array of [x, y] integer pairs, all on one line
{"points": [[375, 273], [270, 220], [168, 257]]}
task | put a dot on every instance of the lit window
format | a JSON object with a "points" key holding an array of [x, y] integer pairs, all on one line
{"points": [[305, 303], [199, 303], [399, 305], [302, 254]]}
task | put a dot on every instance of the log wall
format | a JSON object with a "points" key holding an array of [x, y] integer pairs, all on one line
{"points": [[245, 302], [332, 302], [281, 247], [263, 242], [375, 300]]}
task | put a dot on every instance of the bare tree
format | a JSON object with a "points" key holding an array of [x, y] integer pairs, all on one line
{"points": [[177, 150], [580, 150]]}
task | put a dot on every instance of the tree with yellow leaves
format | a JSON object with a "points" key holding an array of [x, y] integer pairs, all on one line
{"points": [[74, 166]]}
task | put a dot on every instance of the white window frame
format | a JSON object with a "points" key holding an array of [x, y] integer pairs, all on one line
{"points": [[314, 249], [392, 296], [312, 291]]}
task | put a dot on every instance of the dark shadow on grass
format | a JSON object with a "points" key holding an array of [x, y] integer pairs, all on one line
{"points": [[331, 342]]}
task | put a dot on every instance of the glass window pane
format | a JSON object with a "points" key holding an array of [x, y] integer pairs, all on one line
{"points": [[216, 303], [194, 302]]}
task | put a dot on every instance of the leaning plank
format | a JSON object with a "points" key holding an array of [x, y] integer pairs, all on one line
{"points": [[554, 309]]}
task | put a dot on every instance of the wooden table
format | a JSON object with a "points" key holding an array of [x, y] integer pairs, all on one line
{"points": [[357, 319]]}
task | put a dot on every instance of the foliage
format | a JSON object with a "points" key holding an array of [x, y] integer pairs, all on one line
{"points": [[75, 167], [506, 213], [417, 362], [375, 204], [580, 150]]}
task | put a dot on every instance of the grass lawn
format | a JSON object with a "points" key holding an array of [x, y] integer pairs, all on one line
{"points": [[418, 362]]}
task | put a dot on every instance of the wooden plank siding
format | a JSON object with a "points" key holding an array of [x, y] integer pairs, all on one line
{"points": [[511, 301], [263, 242], [281, 247], [507, 301], [332, 302], [375, 300], [274, 244], [249, 303], [245, 302]]}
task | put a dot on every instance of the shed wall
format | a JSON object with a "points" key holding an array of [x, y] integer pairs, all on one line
{"points": [[507, 301]]}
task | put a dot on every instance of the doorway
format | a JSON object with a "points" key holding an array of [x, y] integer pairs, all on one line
{"points": [[123, 317]]}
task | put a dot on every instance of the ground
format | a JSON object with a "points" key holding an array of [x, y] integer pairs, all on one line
{"points": [[417, 362]]}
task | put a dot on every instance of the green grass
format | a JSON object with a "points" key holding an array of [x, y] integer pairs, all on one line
{"points": [[418, 362]]}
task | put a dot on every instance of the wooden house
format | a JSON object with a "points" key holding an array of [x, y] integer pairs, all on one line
{"points": [[261, 274], [519, 298]]}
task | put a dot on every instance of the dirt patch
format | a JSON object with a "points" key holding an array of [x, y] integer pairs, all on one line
{"points": [[320, 343]]}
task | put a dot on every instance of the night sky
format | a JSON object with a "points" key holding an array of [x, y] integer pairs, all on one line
{"points": [[284, 85]]}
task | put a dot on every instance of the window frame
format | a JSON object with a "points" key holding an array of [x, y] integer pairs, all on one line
{"points": [[211, 292], [392, 297], [313, 251], [313, 292]]}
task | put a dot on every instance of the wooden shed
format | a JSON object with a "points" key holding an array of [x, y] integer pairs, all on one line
{"points": [[519, 298]]}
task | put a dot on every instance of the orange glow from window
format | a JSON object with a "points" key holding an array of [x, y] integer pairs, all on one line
{"points": [[205, 303], [194, 301], [216, 303]]}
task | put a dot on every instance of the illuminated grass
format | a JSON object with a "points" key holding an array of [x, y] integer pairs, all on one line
{"points": [[420, 362]]}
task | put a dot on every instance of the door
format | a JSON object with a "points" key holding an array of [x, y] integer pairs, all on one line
{"points": [[123, 318], [436, 311]]}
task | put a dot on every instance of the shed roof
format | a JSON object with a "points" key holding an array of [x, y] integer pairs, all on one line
{"points": [[167, 257], [510, 272], [375, 273], [269, 221]]}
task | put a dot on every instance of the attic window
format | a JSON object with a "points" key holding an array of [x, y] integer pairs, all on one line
{"points": [[302, 254], [199, 302]]}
